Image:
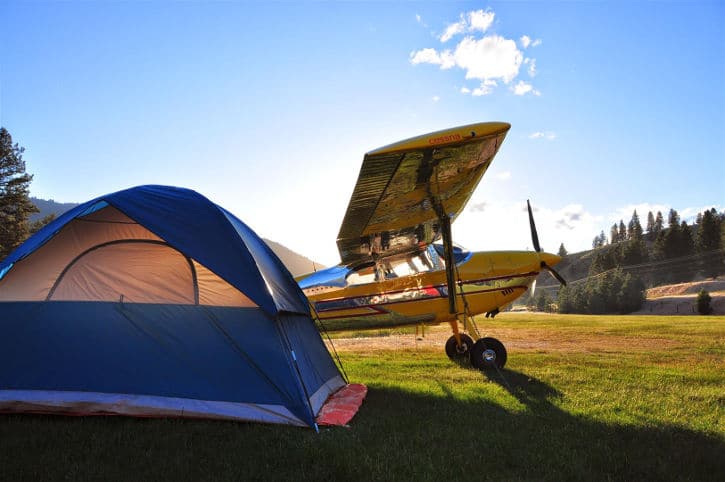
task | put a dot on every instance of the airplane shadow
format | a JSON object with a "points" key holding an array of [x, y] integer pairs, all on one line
{"points": [[542, 441]]}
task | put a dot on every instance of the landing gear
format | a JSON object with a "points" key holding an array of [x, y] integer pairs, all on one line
{"points": [[487, 353], [459, 353]]}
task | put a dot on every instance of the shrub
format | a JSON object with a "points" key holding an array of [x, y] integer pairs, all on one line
{"points": [[703, 303]]}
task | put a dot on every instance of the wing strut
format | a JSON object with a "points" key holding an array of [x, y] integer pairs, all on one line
{"points": [[450, 263]]}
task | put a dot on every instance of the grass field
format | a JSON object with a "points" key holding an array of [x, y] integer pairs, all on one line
{"points": [[582, 398]]}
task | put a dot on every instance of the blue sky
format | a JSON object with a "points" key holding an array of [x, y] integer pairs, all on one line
{"points": [[267, 108]]}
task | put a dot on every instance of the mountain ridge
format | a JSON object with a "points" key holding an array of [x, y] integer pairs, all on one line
{"points": [[296, 263]]}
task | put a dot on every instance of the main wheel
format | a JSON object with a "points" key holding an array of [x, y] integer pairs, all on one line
{"points": [[488, 353], [459, 353]]}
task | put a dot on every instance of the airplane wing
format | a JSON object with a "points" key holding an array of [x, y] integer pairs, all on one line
{"points": [[404, 189]]}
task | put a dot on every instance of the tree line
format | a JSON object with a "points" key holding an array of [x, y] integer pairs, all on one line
{"points": [[633, 258], [701, 245]]}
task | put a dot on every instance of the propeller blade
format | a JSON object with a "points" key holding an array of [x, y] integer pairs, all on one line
{"points": [[553, 273], [534, 234]]}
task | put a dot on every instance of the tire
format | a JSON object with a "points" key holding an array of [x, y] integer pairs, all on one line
{"points": [[457, 353], [488, 353]]}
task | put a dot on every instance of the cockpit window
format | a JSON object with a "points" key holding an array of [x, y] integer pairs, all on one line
{"points": [[394, 267], [362, 274], [460, 254]]}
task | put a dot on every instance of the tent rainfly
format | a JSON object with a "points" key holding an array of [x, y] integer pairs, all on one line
{"points": [[154, 301]]}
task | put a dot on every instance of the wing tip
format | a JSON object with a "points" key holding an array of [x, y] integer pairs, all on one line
{"points": [[450, 136]]}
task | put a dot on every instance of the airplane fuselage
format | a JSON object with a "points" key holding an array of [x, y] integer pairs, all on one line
{"points": [[485, 281]]}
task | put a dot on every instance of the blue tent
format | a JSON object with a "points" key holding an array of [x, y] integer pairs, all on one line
{"points": [[154, 301]]}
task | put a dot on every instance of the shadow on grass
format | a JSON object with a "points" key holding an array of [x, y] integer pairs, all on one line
{"points": [[397, 435]]}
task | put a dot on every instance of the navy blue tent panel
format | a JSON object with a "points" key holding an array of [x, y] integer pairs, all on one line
{"points": [[243, 347]]}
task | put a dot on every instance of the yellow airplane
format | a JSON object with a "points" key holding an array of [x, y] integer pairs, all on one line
{"points": [[399, 264]]}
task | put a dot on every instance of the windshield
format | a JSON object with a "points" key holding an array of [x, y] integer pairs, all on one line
{"points": [[460, 254]]}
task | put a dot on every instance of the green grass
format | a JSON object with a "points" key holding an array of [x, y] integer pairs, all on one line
{"points": [[648, 405]]}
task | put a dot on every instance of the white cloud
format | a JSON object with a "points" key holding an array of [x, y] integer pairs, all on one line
{"points": [[490, 59], [543, 135], [526, 42], [481, 91], [523, 88], [452, 30], [425, 56], [478, 20], [503, 176], [571, 224], [431, 56], [435, 98], [485, 88]]}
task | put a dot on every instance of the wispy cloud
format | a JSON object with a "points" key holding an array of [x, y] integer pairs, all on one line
{"points": [[478, 20], [477, 207], [532, 66], [503, 176], [435, 98], [526, 42], [431, 56], [489, 58], [485, 88], [523, 88], [548, 135], [571, 224]]}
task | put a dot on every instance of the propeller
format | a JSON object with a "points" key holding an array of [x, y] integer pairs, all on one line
{"points": [[537, 246]]}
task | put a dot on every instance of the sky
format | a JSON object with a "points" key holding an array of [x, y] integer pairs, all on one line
{"points": [[267, 108]]}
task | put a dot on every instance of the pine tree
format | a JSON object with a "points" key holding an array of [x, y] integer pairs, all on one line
{"points": [[599, 241], [622, 231], [708, 240], [659, 225], [614, 234], [650, 226], [562, 250], [708, 234], [686, 243], [635, 231], [564, 300], [15, 204], [673, 219]]}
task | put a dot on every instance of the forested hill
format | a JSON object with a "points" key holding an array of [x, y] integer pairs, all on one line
{"points": [[295, 262], [659, 254], [48, 207]]}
